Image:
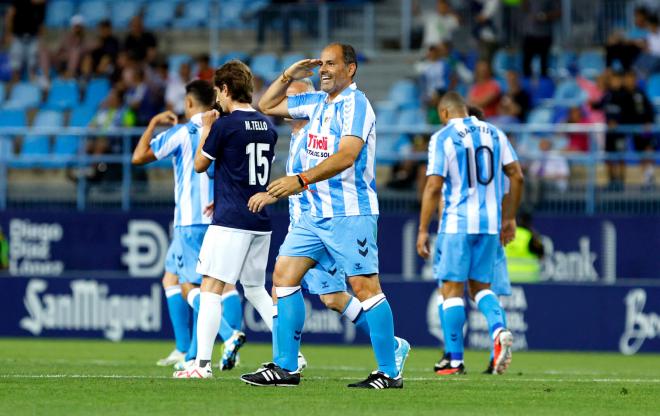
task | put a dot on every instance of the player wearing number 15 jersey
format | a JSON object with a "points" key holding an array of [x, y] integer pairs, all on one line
{"points": [[236, 244], [469, 158]]}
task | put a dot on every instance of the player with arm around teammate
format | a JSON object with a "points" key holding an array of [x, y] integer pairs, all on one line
{"points": [[469, 157], [192, 194], [325, 279], [339, 172], [236, 244]]}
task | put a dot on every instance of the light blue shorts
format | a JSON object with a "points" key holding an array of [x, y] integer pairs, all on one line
{"points": [[350, 241], [500, 284], [184, 251], [467, 256]]}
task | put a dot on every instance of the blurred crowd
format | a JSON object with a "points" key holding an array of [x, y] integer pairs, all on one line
{"points": [[531, 92]]}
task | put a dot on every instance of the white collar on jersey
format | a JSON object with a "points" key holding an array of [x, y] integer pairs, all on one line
{"points": [[244, 109], [197, 119], [460, 120], [344, 93]]}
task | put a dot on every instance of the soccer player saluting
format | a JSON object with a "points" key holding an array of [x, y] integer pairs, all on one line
{"points": [[237, 241], [342, 219], [192, 194], [469, 156], [325, 279]]}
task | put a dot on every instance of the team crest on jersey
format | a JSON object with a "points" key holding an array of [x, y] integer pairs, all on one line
{"points": [[320, 146]]}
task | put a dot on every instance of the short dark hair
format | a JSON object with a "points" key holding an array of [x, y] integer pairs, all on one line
{"points": [[238, 79], [476, 112], [202, 92], [348, 54]]}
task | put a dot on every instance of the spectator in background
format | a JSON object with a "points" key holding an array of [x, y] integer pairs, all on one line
{"points": [[439, 25], [548, 172], [640, 111], [539, 16], [577, 142], [612, 104], [175, 92], [520, 100], [107, 46], [649, 61], [140, 44], [204, 69], [485, 29], [435, 78], [135, 93], [112, 114], [23, 25], [259, 87], [72, 49], [485, 93], [624, 48]]}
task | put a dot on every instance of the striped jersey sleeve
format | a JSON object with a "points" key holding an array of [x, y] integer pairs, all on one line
{"points": [[301, 106], [357, 119], [508, 153], [168, 142], [437, 157]]}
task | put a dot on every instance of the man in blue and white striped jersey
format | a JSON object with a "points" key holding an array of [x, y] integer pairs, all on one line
{"points": [[469, 158], [338, 177]]}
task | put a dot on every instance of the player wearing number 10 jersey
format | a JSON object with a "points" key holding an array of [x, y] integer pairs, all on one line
{"points": [[236, 244], [469, 158]]}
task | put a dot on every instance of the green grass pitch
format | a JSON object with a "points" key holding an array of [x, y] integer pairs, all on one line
{"points": [[82, 377]]}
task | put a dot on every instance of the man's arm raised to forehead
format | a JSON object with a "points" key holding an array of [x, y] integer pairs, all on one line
{"points": [[274, 102]]}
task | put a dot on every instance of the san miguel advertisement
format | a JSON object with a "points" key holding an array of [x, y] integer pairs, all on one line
{"points": [[578, 250], [592, 317]]}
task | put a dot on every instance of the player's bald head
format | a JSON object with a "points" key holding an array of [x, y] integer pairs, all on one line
{"points": [[452, 105], [299, 86]]}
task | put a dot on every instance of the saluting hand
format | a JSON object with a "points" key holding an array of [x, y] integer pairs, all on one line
{"points": [[302, 69], [259, 201], [209, 117], [285, 186]]}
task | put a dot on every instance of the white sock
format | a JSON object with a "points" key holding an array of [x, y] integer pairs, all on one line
{"points": [[262, 302], [353, 309], [208, 324]]}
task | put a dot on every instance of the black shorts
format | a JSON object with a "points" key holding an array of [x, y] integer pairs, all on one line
{"points": [[615, 143]]}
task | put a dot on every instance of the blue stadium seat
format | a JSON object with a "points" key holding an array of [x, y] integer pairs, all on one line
{"points": [[404, 94], [159, 14], [540, 115], [58, 13], [290, 59], [94, 11], [568, 94], [175, 61], [230, 15], [541, 89], [97, 90], [123, 11], [2, 92], [39, 144], [653, 88], [241, 56], [386, 119], [23, 96], [12, 118], [265, 65], [63, 95], [591, 64], [68, 145], [195, 14]]}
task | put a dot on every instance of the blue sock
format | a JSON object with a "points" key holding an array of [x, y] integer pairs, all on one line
{"points": [[276, 351], [192, 351], [226, 331], [381, 325], [353, 311], [441, 313], [232, 311], [179, 316], [291, 319], [454, 317], [490, 307]]}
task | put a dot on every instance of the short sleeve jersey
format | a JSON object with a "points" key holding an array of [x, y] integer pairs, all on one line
{"points": [[242, 144]]}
